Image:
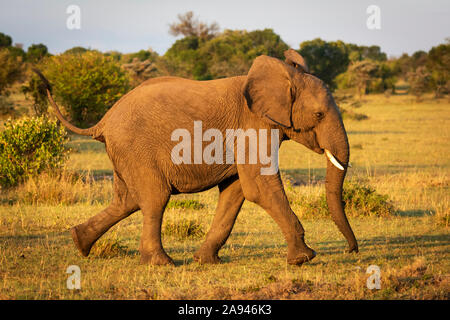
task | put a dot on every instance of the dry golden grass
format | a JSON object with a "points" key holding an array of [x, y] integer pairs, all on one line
{"points": [[60, 188]]}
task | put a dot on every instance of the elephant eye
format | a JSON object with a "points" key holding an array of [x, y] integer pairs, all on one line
{"points": [[319, 115]]}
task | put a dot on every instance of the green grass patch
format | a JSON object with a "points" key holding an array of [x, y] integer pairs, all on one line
{"points": [[183, 229], [185, 204], [109, 247], [360, 200]]}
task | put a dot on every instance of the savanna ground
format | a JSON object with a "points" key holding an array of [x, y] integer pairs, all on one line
{"points": [[402, 150]]}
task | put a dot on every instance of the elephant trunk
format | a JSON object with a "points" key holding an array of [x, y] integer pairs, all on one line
{"points": [[333, 184], [337, 145]]}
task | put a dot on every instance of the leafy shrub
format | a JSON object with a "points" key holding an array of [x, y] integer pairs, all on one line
{"points": [[325, 59], [86, 84], [5, 40], [229, 53], [109, 247], [183, 229], [38, 94], [11, 69], [37, 52], [363, 200], [359, 199], [29, 146], [185, 204]]}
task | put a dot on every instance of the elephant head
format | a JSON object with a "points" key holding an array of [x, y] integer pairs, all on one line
{"points": [[286, 95]]}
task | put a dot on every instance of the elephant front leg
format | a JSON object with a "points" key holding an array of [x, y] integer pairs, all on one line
{"points": [[268, 192], [230, 203]]}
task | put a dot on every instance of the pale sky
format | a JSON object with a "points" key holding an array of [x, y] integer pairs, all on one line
{"points": [[132, 25]]}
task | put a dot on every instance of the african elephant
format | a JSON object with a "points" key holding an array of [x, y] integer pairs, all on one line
{"points": [[138, 134]]}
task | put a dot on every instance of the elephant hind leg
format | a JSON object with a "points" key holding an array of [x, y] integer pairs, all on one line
{"points": [[154, 200], [86, 234], [231, 199]]}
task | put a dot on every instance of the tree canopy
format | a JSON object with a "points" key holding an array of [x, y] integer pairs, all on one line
{"points": [[189, 26], [228, 54], [325, 59]]}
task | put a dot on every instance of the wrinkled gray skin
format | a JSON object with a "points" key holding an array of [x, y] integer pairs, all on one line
{"points": [[137, 134]]}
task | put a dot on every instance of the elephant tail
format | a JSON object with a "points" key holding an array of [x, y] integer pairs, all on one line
{"points": [[92, 131]]}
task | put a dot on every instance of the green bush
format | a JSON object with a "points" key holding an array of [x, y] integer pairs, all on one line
{"points": [[85, 84], [109, 247], [325, 59], [359, 199], [37, 52], [38, 94], [10, 70], [229, 53], [29, 146]]}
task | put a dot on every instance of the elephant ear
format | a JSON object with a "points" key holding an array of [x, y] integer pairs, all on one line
{"points": [[294, 59], [268, 91]]}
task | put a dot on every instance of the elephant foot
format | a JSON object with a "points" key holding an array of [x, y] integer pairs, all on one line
{"points": [[82, 245], [206, 257], [353, 248], [156, 258], [302, 257]]}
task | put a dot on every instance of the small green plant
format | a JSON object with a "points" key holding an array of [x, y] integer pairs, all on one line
{"points": [[363, 200], [185, 204], [359, 199], [109, 247], [183, 229], [28, 147]]}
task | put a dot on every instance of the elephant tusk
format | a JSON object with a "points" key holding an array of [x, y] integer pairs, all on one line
{"points": [[333, 160]]}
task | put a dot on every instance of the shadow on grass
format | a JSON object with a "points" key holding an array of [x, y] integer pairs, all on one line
{"points": [[394, 243], [414, 213], [323, 248], [32, 237], [304, 176]]}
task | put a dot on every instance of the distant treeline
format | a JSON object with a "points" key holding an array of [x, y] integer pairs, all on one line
{"points": [[204, 53]]}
